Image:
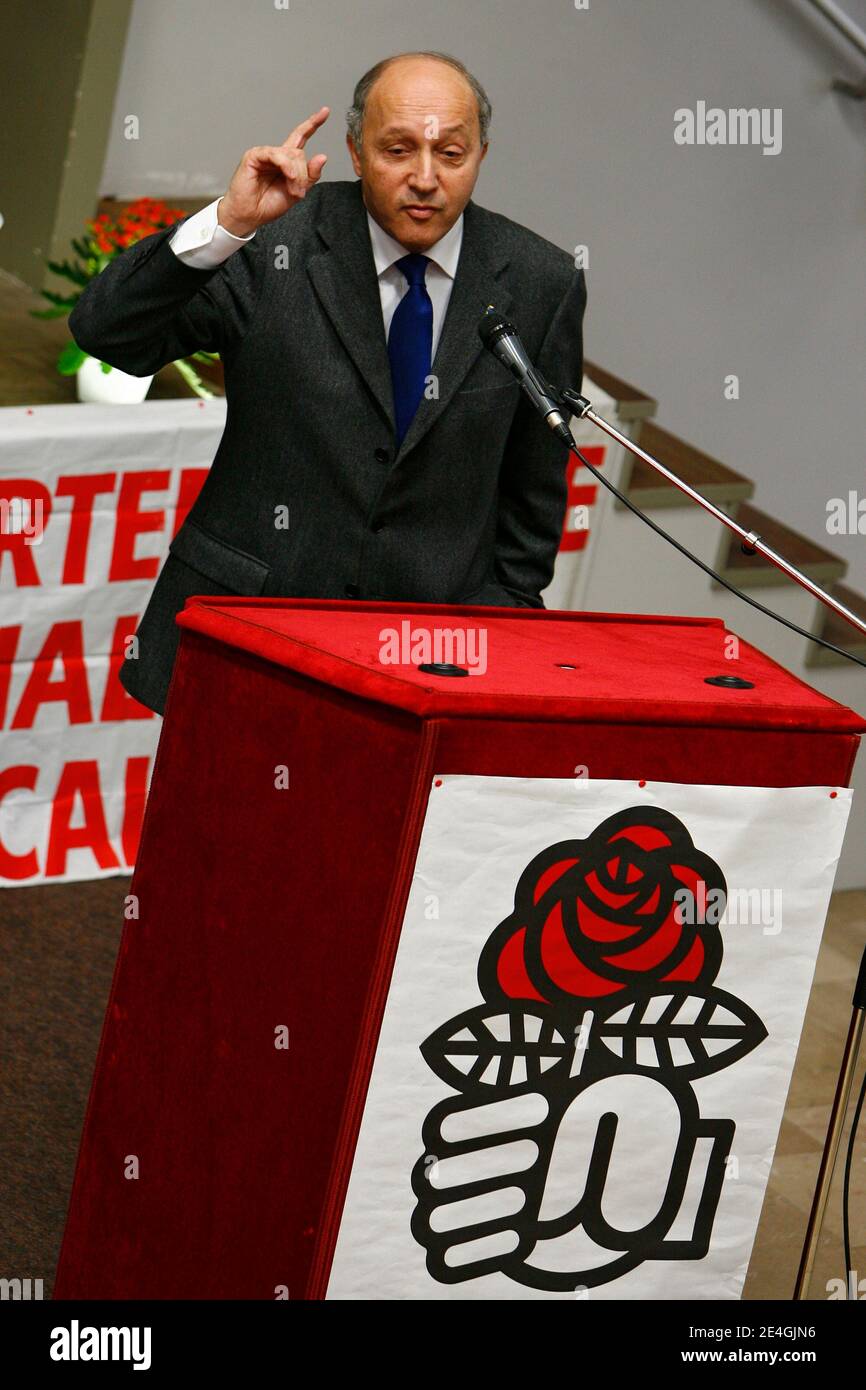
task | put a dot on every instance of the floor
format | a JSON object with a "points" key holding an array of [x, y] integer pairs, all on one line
{"points": [[57, 949], [776, 1254]]}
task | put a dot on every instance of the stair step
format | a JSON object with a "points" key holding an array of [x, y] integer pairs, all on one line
{"points": [[836, 630], [754, 571], [631, 404], [714, 480]]}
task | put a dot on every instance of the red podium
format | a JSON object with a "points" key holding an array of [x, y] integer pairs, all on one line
{"points": [[302, 751]]}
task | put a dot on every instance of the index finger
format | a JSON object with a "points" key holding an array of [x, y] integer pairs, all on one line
{"points": [[301, 133]]}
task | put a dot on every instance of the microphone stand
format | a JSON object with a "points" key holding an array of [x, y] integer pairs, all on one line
{"points": [[831, 1143], [753, 545], [751, 542]]}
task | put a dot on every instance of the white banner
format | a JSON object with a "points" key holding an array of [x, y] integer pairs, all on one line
{"points": [[589, 1036], [90, 497], [587, 501]]}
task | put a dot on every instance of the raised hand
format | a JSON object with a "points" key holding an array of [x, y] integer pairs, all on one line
{"points": [[270, 179]]}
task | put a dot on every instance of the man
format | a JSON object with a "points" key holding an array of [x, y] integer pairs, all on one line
{"points": [[360, 401]]}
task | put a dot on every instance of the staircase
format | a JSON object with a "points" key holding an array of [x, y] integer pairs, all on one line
{"points": [[622, 566]]}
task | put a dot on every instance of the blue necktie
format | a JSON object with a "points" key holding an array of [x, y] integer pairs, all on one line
{"points": [[410, 343]]}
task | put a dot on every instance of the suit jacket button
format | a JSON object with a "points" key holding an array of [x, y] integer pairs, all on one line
{"points": [[352, 591], [381, 455]]}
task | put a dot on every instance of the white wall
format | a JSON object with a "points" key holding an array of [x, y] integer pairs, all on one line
{"points": [[704, 261]]}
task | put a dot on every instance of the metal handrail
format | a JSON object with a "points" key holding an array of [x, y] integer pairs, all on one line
{"points": [[836, 16]]}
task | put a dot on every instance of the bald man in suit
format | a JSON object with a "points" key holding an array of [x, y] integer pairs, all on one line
{"points": [[360, 401]]}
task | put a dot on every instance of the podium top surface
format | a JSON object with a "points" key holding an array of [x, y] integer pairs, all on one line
{"points": [[524, 663]]}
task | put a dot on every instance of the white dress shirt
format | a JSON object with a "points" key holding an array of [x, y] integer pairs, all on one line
{"points": [[203, 244]]}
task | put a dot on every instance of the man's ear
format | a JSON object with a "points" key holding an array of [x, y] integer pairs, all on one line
{"points": [[353, 154], [484, 148]]}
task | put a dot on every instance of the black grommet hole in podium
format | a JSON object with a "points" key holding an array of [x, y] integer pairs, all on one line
{"points": [[442, 668], [730, 682]]}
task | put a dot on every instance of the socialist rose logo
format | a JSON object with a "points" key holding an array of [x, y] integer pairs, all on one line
{"points": [[595, 917], [573, 1141]]}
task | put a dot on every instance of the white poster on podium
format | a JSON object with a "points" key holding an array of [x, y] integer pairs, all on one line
{"points": [[588, 1040]]}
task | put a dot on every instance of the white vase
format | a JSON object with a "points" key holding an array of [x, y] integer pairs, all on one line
{"points": [[110, 388]]}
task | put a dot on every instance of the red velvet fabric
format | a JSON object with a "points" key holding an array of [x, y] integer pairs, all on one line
{"points": [[262, 908], [660, 753], [540, 663]]}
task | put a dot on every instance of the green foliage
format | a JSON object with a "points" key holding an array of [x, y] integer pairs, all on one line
{"points": [[70, 359], [192, 378], [91, 261], [68, 271]]}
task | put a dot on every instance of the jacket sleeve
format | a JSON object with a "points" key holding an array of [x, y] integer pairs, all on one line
{"points": [[533, 481], [148, 308]]}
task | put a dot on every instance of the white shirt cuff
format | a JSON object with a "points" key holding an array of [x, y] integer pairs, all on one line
{"points": [[202, 243]]}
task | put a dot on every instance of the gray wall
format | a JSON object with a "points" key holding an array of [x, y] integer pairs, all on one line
{"points": [[52, 150], [703, 261]]}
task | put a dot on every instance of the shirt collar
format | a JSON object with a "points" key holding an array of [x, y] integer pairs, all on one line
{"points": [[445, 253]]}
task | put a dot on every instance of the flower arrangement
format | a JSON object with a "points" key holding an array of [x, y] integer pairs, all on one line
{"points": [[106, 237]]}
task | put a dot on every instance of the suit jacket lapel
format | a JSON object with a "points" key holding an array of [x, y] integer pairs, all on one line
{"points": [[345, 280]]}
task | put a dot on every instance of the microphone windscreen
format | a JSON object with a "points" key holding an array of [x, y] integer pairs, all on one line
{"points": [[492, 326]]}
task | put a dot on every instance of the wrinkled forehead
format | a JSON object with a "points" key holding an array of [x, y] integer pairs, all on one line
{"points": [[408, 94]]}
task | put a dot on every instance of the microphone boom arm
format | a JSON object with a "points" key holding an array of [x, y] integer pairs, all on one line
{"points": [[750, 541]]}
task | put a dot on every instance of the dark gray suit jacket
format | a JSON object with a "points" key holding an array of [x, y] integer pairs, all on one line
{"points": [[470, 508]]}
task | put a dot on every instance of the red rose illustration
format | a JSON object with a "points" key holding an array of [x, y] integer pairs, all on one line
{"points": [[599, 916]]}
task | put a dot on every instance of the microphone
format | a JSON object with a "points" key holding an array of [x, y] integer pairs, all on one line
{"points": [[502, 339]]}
